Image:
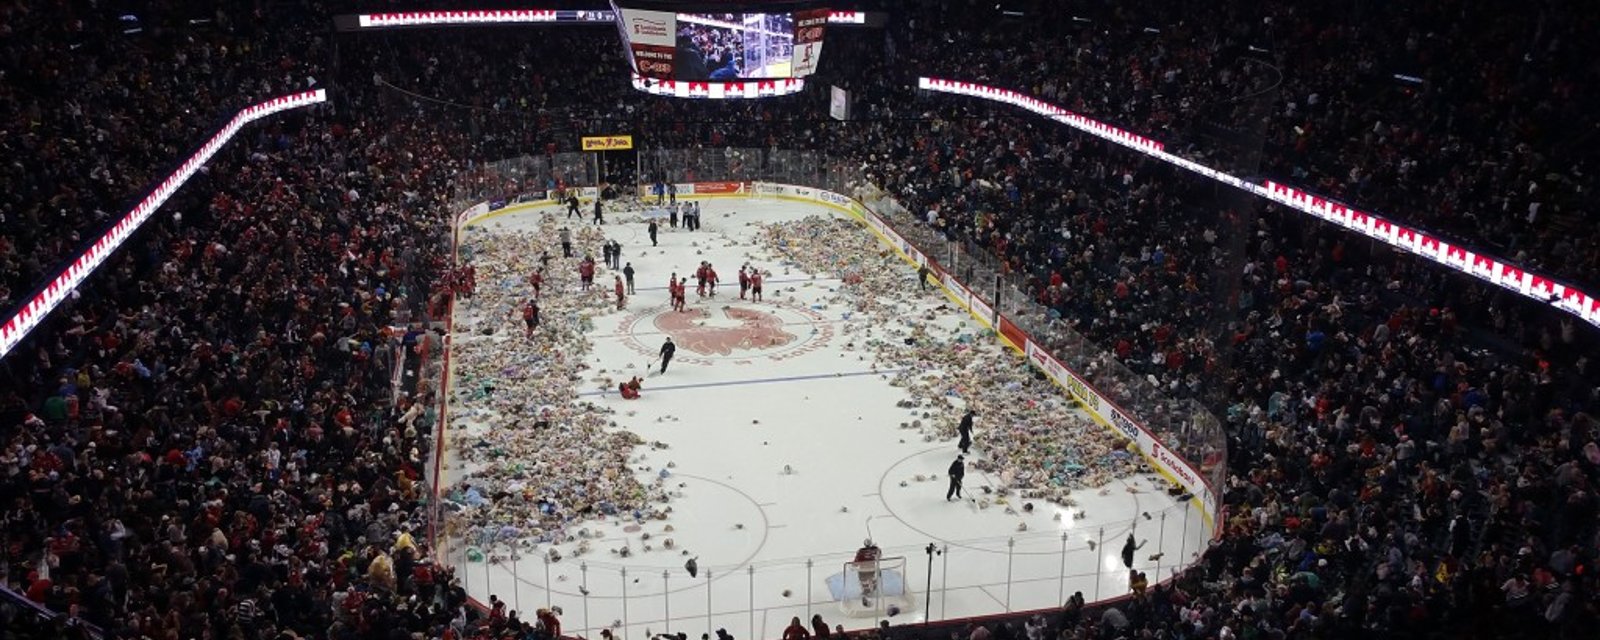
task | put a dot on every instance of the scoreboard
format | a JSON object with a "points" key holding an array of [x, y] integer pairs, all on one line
{"points": [[722, 41]]}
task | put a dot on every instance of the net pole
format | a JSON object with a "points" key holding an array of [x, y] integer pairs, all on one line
{"points": [[751, 570], [624, 601], [1097, 569], [1183, 542], [944, 582], [808, 588], [584, 568], [666, 598], [709, 626], [1011, 546], [1061, 576], [927, 591], [1161, 546]]}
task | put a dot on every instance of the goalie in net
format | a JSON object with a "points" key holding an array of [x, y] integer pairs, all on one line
{"points": [[872, 585]]}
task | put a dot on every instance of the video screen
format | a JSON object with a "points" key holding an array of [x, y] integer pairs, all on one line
{"points": [[731, 46]]}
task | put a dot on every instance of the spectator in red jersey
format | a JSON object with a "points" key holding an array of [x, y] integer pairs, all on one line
{"points": [[796, 630]]}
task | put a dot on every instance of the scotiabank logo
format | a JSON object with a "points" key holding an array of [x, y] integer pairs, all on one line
{"points": [[1177, 467], [648, 27]]}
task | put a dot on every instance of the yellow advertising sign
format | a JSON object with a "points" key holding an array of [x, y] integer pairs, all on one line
{"points": [[607, 143]]}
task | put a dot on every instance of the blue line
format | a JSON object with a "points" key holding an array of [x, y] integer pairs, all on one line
{"points": [[702, 385]]}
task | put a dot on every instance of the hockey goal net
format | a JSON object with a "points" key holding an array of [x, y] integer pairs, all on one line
{"points": [[872, 589]]}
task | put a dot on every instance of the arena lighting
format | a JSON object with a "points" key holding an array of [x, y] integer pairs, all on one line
{"points": [[31, 314], [475, 16], [524, 16], [1503, 274], [733, 90]]}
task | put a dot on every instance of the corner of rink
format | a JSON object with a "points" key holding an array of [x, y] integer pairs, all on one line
{"points": [[782, 434]]}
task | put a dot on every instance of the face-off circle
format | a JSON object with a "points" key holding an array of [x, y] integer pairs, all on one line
{"points": [[734, 331]]}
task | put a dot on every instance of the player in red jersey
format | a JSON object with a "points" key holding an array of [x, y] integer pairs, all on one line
{"points": [[674, 297], [755, 285], [586, 272], [530, 317]]}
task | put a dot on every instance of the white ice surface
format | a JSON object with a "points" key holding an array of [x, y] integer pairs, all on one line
{"points": [[733, 422]]}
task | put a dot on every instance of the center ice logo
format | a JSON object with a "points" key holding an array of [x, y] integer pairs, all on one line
{"points": [[736, 330]]}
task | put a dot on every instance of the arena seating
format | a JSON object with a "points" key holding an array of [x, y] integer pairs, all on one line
{"points": [[206, 442], [1487, 144], [105, 105]]}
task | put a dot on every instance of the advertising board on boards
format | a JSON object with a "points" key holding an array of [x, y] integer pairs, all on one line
{"points": [[981, 307], [607, 143], [714, 188]]}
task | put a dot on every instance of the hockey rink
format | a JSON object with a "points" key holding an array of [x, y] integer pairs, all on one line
{"points": [[779, 441]]}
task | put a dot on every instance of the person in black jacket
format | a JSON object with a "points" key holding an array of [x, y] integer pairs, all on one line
{"points": [[1127, 550], [965, 431], [667, 349], [958, 469]]}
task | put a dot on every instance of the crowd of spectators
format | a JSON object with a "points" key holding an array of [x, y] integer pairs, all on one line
{"points": [[1487, 144], [1386, 474], [219, 444], [208, 440], [101, 102], [1414, 482]]}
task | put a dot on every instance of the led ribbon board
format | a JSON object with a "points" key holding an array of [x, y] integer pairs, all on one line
{"points": [[525, 16], [34, 311], [1501, 273], [719, 90]]}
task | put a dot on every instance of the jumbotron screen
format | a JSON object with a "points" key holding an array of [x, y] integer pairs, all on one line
{"points": [[729, 43]]}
